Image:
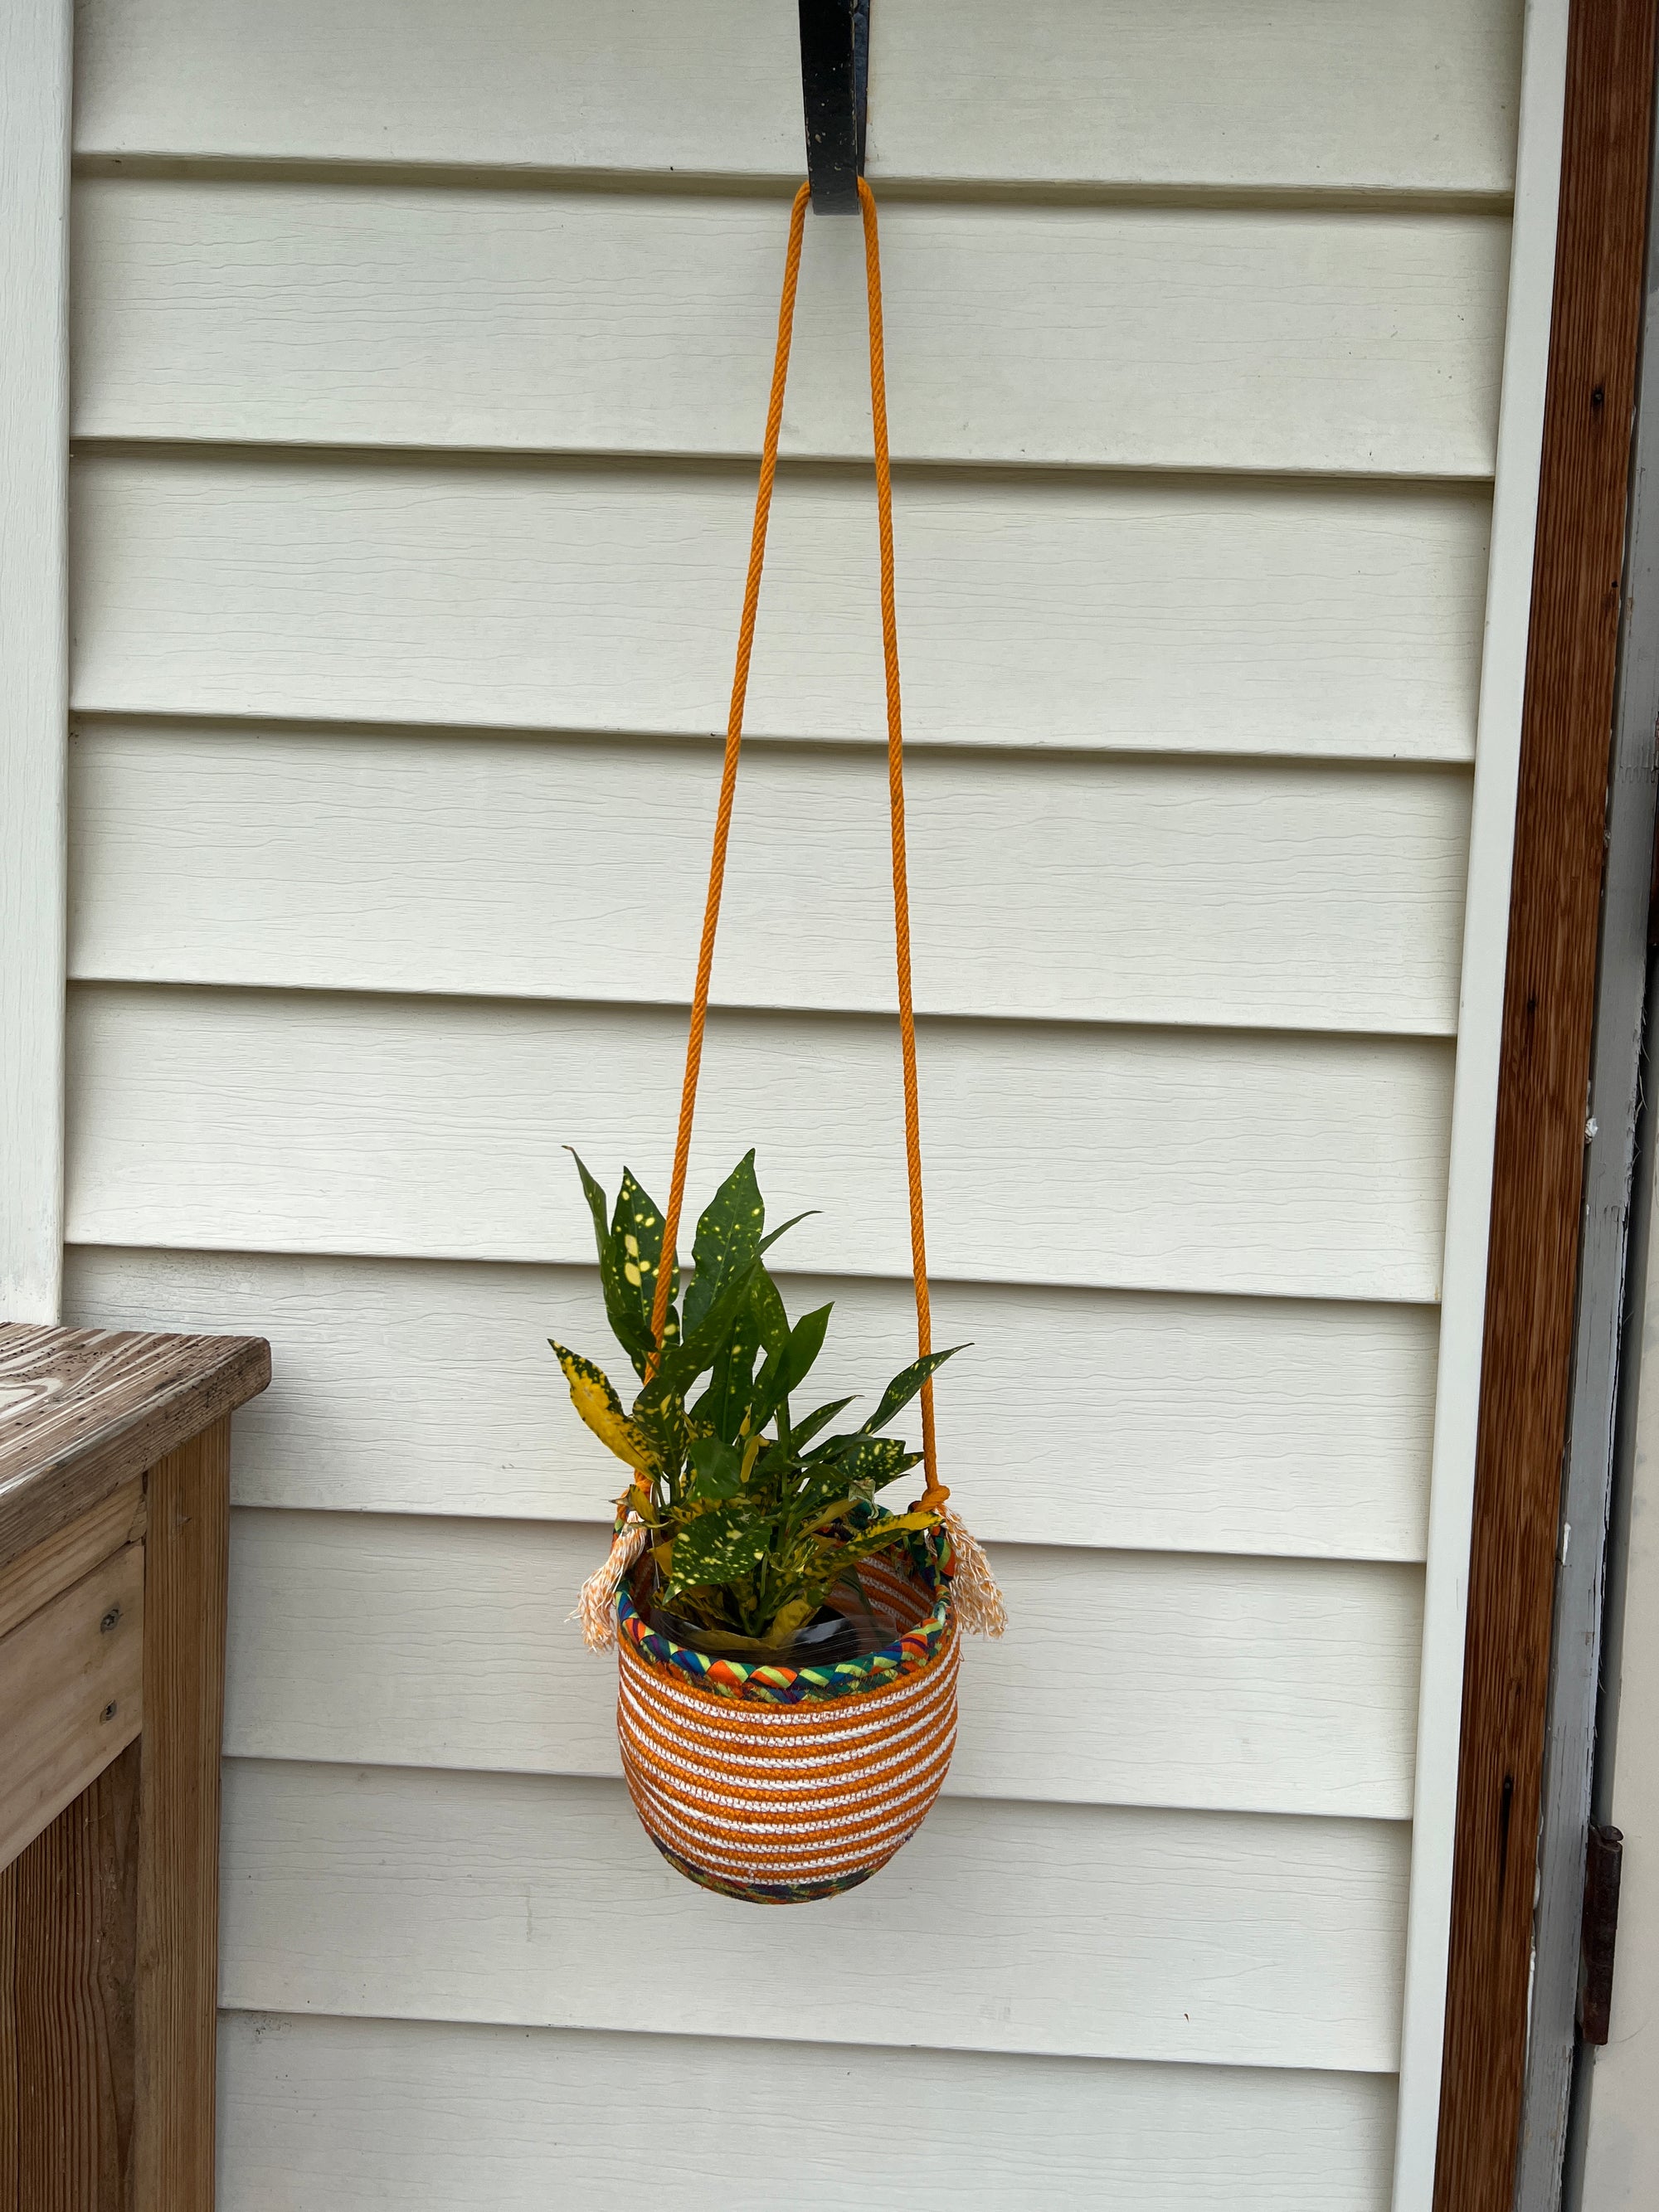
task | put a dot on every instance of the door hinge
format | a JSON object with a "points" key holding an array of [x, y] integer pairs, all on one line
{"points": [[1603, 1857]]}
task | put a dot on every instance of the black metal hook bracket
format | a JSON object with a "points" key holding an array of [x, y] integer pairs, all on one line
{"points": [[834, 84]]}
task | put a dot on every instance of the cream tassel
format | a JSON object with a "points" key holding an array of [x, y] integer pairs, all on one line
{"points": [[596, 1608], [974, 1593]]}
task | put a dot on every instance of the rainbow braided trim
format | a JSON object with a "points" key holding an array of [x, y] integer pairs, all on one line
{"points": [[756, 1682]]}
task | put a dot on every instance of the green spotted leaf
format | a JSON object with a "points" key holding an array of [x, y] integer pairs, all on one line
{"points": [[659, 1415], [727, 1251], [862, 1462], [594, 1192], [727, 1246], [726, 1403], [789, 1366], [629, 1247], [717, 1471], [720, 1547], [636, 1235], [905, 1385], [804, 1430], [767, 1306]]}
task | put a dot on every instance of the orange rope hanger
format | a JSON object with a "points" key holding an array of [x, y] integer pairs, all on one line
{"points": [[849, 1767], [935, 1494]]}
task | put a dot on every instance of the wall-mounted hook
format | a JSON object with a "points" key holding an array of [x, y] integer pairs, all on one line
{"points": [[834, 81]]}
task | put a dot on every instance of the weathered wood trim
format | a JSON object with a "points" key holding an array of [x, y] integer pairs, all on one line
{"points": [[70, 1695], [11, 2092], [67, 2005], [1600, 1377], [104, 2104], [84, 1411], [1539, 1156], [36, 1576], [186, 1563], [34, 182]]}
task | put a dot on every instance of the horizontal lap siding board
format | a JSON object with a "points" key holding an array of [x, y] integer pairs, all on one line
{"points": [[1208, 615], [1254, 1686], [1311, 94], [373, 315], [375, 2116], [1124, 1158], [1207, 1938], [1192, 1425], [1235, 895]]}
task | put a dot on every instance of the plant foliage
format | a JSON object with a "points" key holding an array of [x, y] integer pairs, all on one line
{"points": [[750, 1506]]}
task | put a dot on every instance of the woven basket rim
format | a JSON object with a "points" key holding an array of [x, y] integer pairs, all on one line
{"points": [[907, 1653]]}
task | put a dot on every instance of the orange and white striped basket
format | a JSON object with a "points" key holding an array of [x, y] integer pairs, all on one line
{"points": [[777, 1784]]}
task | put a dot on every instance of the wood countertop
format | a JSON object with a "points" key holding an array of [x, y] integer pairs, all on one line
{"points": [[84, 1410]]}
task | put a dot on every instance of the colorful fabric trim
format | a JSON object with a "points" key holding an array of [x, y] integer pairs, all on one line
{"points": [[930, 1561]]}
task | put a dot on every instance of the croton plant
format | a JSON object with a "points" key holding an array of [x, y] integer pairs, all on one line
{"points": [[755, 1515]]}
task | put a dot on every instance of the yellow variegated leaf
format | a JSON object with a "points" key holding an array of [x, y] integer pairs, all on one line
{"points": [[831, 1513], [723, 1639], [919, 1519], [693, 1509], [883, 1532], [592, 1396], [794, 1615]]}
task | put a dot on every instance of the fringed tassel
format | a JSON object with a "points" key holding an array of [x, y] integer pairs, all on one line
{"points": [[596, 1608], [973, 1592]]}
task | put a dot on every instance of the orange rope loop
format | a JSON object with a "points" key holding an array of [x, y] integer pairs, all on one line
{"points": [[935, 1494]]}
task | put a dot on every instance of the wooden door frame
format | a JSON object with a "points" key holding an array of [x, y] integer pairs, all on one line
{"points": [[1543, 1092], [1601, 1407]]}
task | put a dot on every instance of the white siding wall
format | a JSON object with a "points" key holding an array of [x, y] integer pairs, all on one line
{"points": [[419, 367]]}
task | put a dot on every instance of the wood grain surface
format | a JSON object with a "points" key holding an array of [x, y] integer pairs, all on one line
{"points": [[70, 1695], [35, 1577], [186, 1547], [10, 2098], [67, 2004], [84, 1411], [1548, 1014]]}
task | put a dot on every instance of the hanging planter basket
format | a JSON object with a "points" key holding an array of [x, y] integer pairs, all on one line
{"points": [[761, 1765], [778, 1783]]}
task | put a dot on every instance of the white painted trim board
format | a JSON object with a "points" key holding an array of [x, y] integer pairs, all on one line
{"points": [[35, 40]]}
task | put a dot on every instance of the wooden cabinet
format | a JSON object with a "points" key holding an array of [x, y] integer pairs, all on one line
{"points": [[114, 1510]]}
